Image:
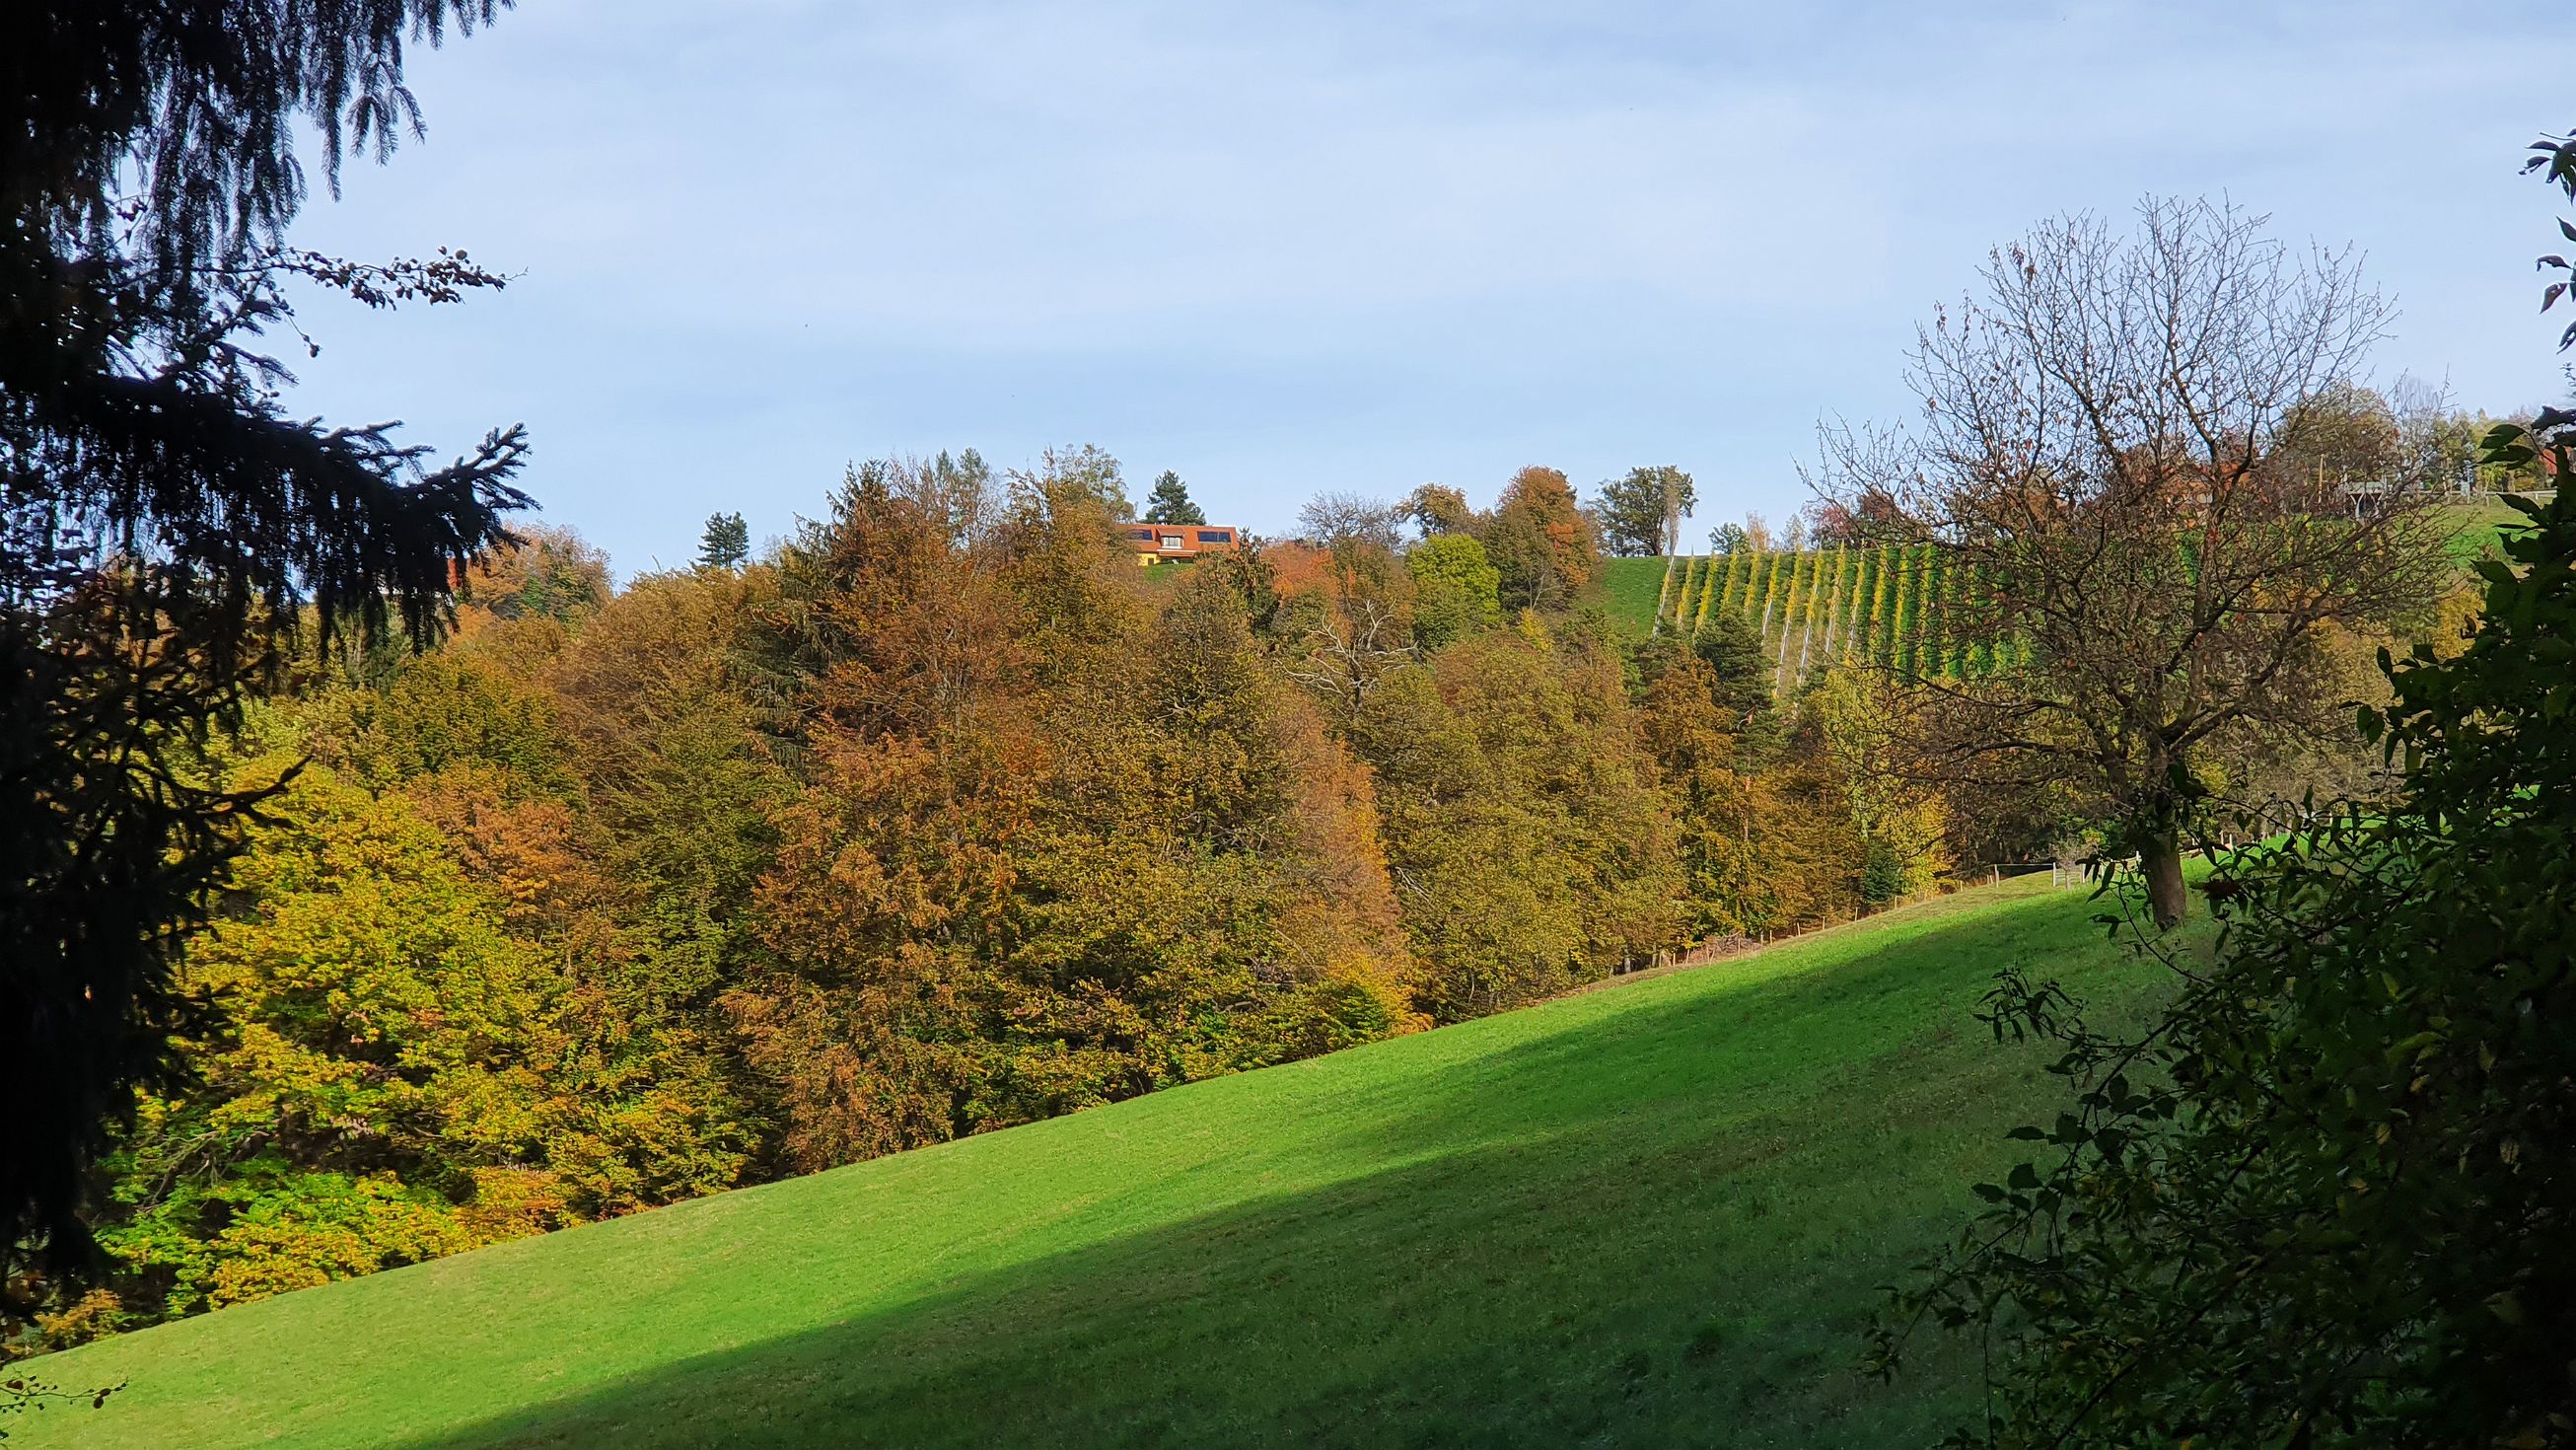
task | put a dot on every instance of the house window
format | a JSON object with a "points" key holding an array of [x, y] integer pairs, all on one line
{"points": [[1140, 533], [1173, 541], [1216, 536]]}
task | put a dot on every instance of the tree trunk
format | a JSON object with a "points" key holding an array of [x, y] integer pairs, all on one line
{"points": [[2160, 858]]}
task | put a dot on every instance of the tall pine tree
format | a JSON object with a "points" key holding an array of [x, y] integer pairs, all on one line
{"points": [[726, 542], [1170, 502], [165, 526]]}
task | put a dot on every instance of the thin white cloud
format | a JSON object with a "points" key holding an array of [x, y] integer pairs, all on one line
{"points": [[1295, 246]]}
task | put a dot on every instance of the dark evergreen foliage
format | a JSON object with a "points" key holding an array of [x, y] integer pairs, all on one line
{"points": [[1743, 668], [165, 528], [726, 542], [1170, 502]]}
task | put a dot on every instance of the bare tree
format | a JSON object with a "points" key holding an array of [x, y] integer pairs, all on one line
{"points": [[1349, 650], [2111, 451], [1341, 520]]}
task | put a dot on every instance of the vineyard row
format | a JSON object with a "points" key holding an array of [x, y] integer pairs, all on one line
{"points": [[1901, 605]]}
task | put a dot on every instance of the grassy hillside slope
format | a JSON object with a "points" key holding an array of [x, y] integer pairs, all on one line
{"points": [[1653, 1214], [1629, 589], [2480, 521]]}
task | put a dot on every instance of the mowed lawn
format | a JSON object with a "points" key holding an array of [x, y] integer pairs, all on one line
{"points": [[1629, 591], [1654, 1214]]}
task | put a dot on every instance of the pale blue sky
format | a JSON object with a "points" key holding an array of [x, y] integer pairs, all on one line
{"points": [[1292, 247]]}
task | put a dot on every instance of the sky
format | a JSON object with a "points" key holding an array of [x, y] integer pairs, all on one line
{"points": [[1293, 247]]}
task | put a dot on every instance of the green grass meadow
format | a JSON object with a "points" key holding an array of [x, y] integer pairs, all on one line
{"points": [[1652, 1214], [2480, 525], [1629, 589]]}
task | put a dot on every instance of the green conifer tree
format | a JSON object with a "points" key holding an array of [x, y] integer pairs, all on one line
{"points": [[166, 528], [726, 542], [1170, 502]]}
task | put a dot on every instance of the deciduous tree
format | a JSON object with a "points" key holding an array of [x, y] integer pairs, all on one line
{"points": [[1540, 539], [1436, 508], [1640, 513], [2314, 1202], [1456, 592], [1530, 847], [2112, 445]]}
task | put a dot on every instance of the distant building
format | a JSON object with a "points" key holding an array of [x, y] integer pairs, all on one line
{"points": [[1179, 541]]}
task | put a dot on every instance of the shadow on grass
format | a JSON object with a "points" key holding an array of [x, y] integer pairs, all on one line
{"points": [[1432, 1305], [1560, 1244]]}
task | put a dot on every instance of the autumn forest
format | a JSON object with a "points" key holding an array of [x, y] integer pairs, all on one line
{"points": [[2058, 937]]}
